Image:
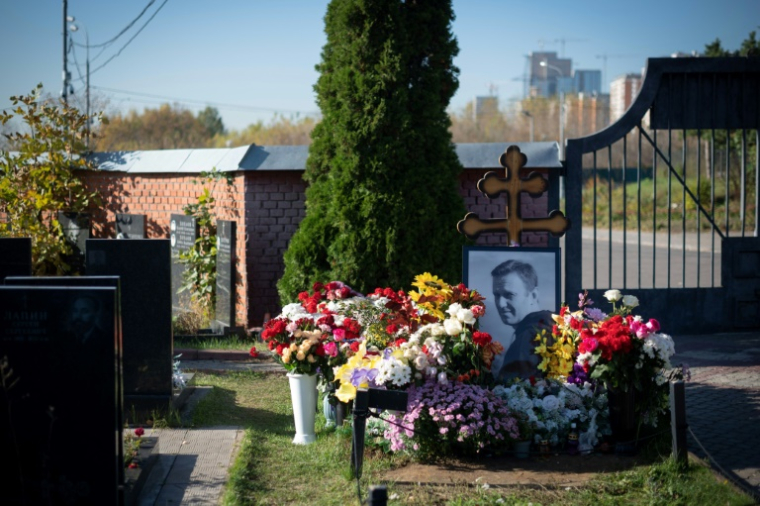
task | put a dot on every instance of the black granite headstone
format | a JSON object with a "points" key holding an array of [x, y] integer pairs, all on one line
{"points": [[82, 282], [225, 274], [60, 428], [183, 233], [144, 269], [15, 257], [130, 226]]}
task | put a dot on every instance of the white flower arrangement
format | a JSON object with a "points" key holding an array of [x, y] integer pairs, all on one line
{"points": [[551, 406]]}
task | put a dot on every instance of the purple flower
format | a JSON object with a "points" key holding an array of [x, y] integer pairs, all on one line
{"points": [[578, 376], [595, 314]]}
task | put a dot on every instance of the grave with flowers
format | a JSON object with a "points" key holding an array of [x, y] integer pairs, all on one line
{"points": [[602, 383]]}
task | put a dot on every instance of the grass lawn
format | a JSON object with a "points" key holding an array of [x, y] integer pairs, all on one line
{"points": [[231, 342], [269, 470]]}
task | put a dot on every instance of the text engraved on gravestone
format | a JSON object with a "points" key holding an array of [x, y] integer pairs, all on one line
{"points": [[225, 273], [60, 348], [183, 233]]}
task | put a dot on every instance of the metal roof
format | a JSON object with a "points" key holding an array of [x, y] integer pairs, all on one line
{"points": [[543, 155]]}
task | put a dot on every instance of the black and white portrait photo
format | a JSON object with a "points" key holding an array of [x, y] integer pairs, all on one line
{"points": [[521, 287]]}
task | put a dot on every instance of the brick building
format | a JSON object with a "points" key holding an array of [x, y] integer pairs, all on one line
{"points": [[266, 199]]}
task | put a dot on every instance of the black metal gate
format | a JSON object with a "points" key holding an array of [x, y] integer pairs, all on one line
{"points": [[664, 202]]}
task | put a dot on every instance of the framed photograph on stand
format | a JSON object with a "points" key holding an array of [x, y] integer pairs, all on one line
{"points": [[522, 291]]}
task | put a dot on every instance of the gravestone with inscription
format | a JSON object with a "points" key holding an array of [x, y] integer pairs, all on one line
{"points": [[130, 226], [81, 282], [15, 257], [183, 233], [76, 229], [225, 275], [60, 428], [147, 341]]}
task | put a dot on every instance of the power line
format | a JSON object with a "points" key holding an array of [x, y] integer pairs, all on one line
{"points": [[130, 40], [130, 25], [218, 105]]}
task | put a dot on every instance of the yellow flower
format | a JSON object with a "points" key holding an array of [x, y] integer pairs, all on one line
{"points": [[346, 392], [429, 284]]}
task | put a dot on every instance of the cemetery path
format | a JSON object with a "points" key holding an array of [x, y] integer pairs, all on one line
{"points": [[722, 409]]}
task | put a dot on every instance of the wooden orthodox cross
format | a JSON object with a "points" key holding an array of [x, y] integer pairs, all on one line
{"points": [[492, 185]]}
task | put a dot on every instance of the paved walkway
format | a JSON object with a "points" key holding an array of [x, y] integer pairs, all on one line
{"points": [[722, 410], [723, 403], [192, 466]]}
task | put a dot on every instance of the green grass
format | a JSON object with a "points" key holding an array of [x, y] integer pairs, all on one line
{"points": [[231, 342], [270, 470]]}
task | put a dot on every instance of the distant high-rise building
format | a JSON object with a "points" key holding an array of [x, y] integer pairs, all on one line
{"points": [[623, 91], [587, 81], [587, 113], [544, 80]]}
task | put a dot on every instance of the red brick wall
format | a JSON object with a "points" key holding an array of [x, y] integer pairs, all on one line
{"points": [[268, 206], [274, 208], [158, 196], [486, 208]]}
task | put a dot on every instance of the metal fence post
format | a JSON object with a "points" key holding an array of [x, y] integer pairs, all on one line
{"points": [[678, 423]]}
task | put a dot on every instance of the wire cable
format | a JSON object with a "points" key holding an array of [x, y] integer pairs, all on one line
{"points": [[200, 102], [131, 39], [112, 40]]}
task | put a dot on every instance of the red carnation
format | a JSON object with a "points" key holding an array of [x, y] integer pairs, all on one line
{"points": [[326, 320], [481, 338], [139, 431], [354, 346], [392, 328], [253, 352]]}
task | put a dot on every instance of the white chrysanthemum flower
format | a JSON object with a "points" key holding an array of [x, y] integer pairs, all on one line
{"points": [[294, 311], [613, 295]]}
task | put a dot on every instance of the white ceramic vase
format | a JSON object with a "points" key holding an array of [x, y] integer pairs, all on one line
{"points": [[303, 394]]}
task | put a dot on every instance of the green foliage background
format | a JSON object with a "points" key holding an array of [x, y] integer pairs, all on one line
{"points": [[382, 204], [37, 178]]}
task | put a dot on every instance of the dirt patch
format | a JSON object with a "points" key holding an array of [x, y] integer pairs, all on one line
{"points": [[551, 471]]}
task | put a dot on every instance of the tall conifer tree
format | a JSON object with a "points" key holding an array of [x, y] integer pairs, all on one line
{"points": [[382, 202]]}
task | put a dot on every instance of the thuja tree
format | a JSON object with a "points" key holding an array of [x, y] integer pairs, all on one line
{"points": [[382, 202], [38, 179]]}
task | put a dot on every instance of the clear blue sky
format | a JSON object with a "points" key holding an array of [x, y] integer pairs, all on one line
{"points": [[260, 54]]}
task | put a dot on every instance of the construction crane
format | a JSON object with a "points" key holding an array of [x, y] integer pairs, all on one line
{"points": [[604, 62], [561, 41]]}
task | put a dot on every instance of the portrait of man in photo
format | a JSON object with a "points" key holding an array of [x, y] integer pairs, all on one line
{"points": [[84, 317], [521, 287], [516, 295]]}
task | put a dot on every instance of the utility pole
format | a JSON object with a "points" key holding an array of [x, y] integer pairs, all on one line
{"points": [[74, 28], [64, 91]]}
